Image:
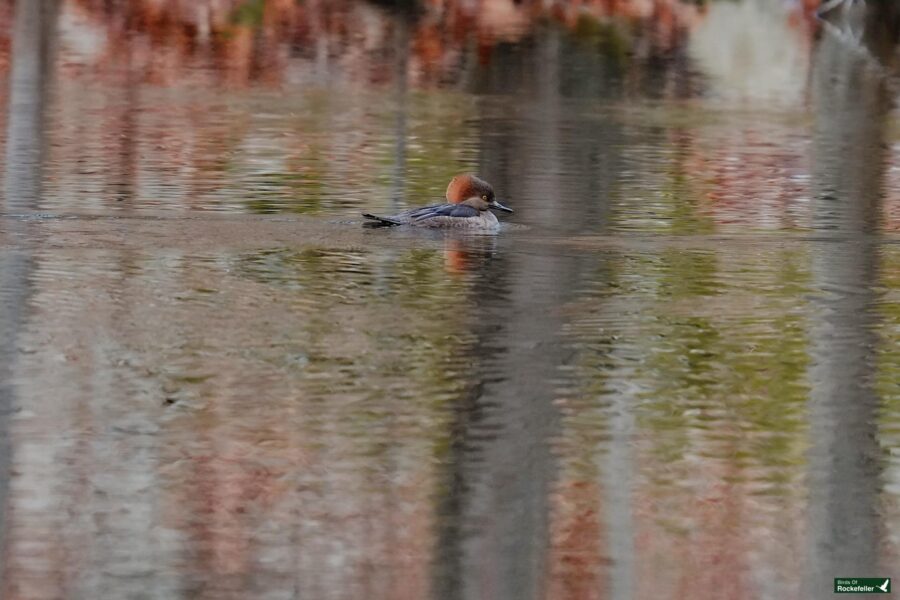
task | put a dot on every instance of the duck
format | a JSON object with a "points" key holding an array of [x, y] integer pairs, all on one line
{"points": [[469, 199]]}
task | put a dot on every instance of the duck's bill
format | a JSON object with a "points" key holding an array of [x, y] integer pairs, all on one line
{"points": [[498, 206]]}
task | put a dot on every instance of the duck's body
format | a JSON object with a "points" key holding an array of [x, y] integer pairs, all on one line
{"points": [[441, 215], [469, 199]]}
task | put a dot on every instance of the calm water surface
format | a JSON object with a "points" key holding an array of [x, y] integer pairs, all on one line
{"points": [[675, 373]]}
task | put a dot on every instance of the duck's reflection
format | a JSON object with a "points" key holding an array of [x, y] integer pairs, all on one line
{"points": [[468, 253]]}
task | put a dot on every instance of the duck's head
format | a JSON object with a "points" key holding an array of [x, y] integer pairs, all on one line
{"points": [[477, 193]]}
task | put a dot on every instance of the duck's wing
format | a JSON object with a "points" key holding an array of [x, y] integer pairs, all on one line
{"points": [[422, 214], [399, 219], [443, 210]]}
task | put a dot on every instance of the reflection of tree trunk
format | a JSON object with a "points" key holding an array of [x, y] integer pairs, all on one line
{"points": [[32, 32], [401, 49], [34, 22], [558, 169], [494, 535], [852, 104], [616, 468], [124, 183]]}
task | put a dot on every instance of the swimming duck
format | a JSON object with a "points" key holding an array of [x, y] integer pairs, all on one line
{"points": [[468, 201]]}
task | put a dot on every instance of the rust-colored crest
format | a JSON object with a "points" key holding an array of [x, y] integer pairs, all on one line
{"points": [[465, 186], [458, 188]]}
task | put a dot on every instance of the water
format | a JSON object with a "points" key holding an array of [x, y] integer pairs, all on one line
{"points": [[673, 373]]}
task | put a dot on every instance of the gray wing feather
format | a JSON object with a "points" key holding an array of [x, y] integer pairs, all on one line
{"points": [[444, 210]]}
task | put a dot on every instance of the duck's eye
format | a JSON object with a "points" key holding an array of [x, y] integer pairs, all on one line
{"points": [[484, 197]]}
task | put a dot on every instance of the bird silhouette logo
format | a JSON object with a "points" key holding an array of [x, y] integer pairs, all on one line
{"points": [[885, 587]]}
